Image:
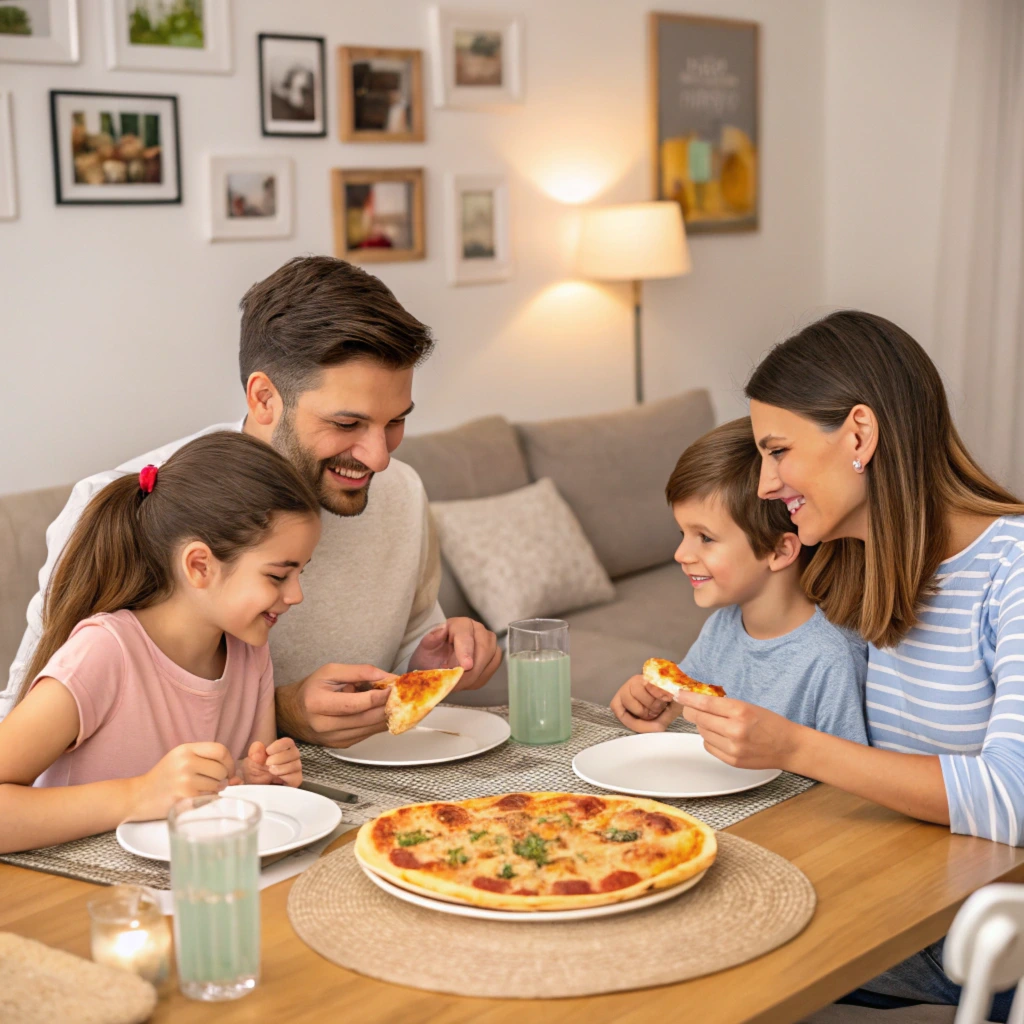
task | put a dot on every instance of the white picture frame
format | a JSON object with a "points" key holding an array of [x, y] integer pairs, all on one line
{"points": [[468, 80], [479, 248], [214, 57], [234, 183], [8, 180], [58, 44]]}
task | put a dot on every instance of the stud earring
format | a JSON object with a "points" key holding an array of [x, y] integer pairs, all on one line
{"points": [[858, 465]]}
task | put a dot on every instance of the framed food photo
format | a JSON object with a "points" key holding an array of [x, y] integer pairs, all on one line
{"points": [[476, 58], [293, 93], [478, 247], [378, 215], [381, 94], [168, 35], [39, 31], [705, 103], [249, 197], [113, 148]]}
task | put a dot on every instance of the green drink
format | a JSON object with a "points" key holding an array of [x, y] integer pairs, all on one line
{"points": [[539, 689], [215, 870]]}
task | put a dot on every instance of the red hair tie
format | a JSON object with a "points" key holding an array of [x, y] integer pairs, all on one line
{"points": [[147, 478]]}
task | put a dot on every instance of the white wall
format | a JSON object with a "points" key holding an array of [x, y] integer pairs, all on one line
{"points": [[118, 326], [888, 98]]}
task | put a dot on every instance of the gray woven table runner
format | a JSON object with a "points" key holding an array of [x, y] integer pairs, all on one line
{"points": [[509, 768]]}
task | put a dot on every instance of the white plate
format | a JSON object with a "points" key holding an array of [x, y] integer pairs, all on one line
{"points": [[664, 765], [414, 895], [291, 818], [477, 731]]}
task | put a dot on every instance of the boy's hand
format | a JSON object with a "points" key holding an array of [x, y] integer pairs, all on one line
{"points": [[642, 707], [276, 765]]}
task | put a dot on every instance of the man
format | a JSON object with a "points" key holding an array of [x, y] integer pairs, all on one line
{"points": [[326, 358]]}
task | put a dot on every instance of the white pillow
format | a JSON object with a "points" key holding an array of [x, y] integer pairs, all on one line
{"points": [[520, 555]]}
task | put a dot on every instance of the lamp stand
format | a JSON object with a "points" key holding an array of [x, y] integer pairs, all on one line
{"points": [[638, 360]]}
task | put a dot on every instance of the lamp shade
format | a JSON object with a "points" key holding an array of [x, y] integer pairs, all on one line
{"points": [[633, 242]]}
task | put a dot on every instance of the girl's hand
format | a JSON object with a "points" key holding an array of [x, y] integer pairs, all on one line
{"points": [[642, 707], [193, 769], [276, 765], [743, 735]]}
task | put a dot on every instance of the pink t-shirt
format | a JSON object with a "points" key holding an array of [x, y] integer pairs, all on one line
{"points": [[135, 704]]}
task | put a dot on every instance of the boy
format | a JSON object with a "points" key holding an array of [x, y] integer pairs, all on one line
{"points": [[766, 643]]}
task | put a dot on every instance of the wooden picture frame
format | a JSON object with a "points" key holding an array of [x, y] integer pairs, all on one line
{"points": [[705, 141], [291, 121], [394, 234], [359, 102]]}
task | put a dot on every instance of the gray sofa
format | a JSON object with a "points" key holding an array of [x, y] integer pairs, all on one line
{"points": [[610, 468]]}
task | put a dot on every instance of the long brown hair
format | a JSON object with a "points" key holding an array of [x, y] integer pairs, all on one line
{"points": [[223, 489], [919, 474]]}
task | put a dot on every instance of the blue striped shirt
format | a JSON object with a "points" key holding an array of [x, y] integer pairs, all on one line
{"points": [[954, 686]]}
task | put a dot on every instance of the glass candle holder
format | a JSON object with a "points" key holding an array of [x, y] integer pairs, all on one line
{"points": [[129, 932]]}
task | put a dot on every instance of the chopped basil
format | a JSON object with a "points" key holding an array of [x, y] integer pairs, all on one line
{"points": [[565, 819], [532, 848], [413, 838], [614, 835], [506, 871], [456, 857], [477, 836], [583, 857]]}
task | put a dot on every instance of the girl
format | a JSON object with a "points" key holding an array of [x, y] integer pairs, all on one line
{"points": [[153, 680], [923, 553]]}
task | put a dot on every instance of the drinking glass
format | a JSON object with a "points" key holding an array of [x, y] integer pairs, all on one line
{"points": [[539, 702], [215, 870]]}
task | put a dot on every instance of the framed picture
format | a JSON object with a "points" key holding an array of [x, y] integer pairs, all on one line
{"points": [[113, 147], [8, 182], [476, 58], [168, 35], [705, 101], [293, 95], [381, 94], [478, 229], [249, 197], [378, 215], [39, 31]]}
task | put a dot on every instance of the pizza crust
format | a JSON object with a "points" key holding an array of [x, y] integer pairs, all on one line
{"points": [[691, 854]]}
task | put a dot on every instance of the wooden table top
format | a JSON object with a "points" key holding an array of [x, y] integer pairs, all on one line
{"points": [[886, 885]]}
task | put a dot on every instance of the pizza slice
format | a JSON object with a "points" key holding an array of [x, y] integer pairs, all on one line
{"points": [[416, 694], [670, 677]]}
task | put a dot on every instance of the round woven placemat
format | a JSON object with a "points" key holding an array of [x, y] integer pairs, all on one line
{"points": [[750, 902]]}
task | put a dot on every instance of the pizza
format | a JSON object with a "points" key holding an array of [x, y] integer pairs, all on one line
{"points": [[537, 851], [415, 694], [670, 677]]}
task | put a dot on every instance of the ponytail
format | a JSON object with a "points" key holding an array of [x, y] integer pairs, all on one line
{"points": [[223, 489]]}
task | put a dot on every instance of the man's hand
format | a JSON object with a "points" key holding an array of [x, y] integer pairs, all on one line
{"points": [[334, 706], [460, 643]]}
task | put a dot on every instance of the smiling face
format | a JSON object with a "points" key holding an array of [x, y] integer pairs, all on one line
{"points": [[247, 596], [811, 470], [716, 556], [340, 433]]}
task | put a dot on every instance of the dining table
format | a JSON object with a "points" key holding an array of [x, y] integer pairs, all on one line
{"points": [[887, 885]]}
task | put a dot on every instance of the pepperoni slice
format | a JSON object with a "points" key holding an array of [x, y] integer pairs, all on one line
{"points": [[404, 859], [383, 832], [514, 802], [588, 806], [490, 884], [524, 892], [661, 823], [574, 887], [619, 880], [450, 815]]}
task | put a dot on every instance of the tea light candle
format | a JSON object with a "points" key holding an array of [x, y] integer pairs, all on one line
{"points": [[129, 932]]}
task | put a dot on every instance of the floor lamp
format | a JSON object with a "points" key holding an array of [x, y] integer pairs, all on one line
{"points": [[635, 242]]}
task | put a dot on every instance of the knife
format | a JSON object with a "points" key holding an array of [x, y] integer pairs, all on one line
{"points": [[331, 792]]}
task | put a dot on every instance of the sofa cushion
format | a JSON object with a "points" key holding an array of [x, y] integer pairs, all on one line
{"points": [[23, 522], [612, 470]]}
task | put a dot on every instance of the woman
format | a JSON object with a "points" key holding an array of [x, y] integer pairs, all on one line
{"points": [[923, 554]]}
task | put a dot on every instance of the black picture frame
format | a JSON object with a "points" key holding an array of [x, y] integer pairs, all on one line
{"points": [[321, 42], [62, 200]]}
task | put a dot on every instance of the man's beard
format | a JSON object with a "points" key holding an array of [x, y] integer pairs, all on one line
{"points": [[314, 470]]}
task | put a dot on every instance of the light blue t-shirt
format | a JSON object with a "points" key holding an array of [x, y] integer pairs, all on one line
{"points": [[813, 675]]}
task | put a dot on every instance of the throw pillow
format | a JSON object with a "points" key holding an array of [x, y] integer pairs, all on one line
{"points": [[520, 555]]}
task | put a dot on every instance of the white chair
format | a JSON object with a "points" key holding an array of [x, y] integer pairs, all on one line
{"points": [[984, 951]]}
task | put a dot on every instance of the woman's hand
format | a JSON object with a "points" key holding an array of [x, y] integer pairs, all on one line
{"points": [[642, 707], [193, 769], [276, 765], [743, 735]]}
